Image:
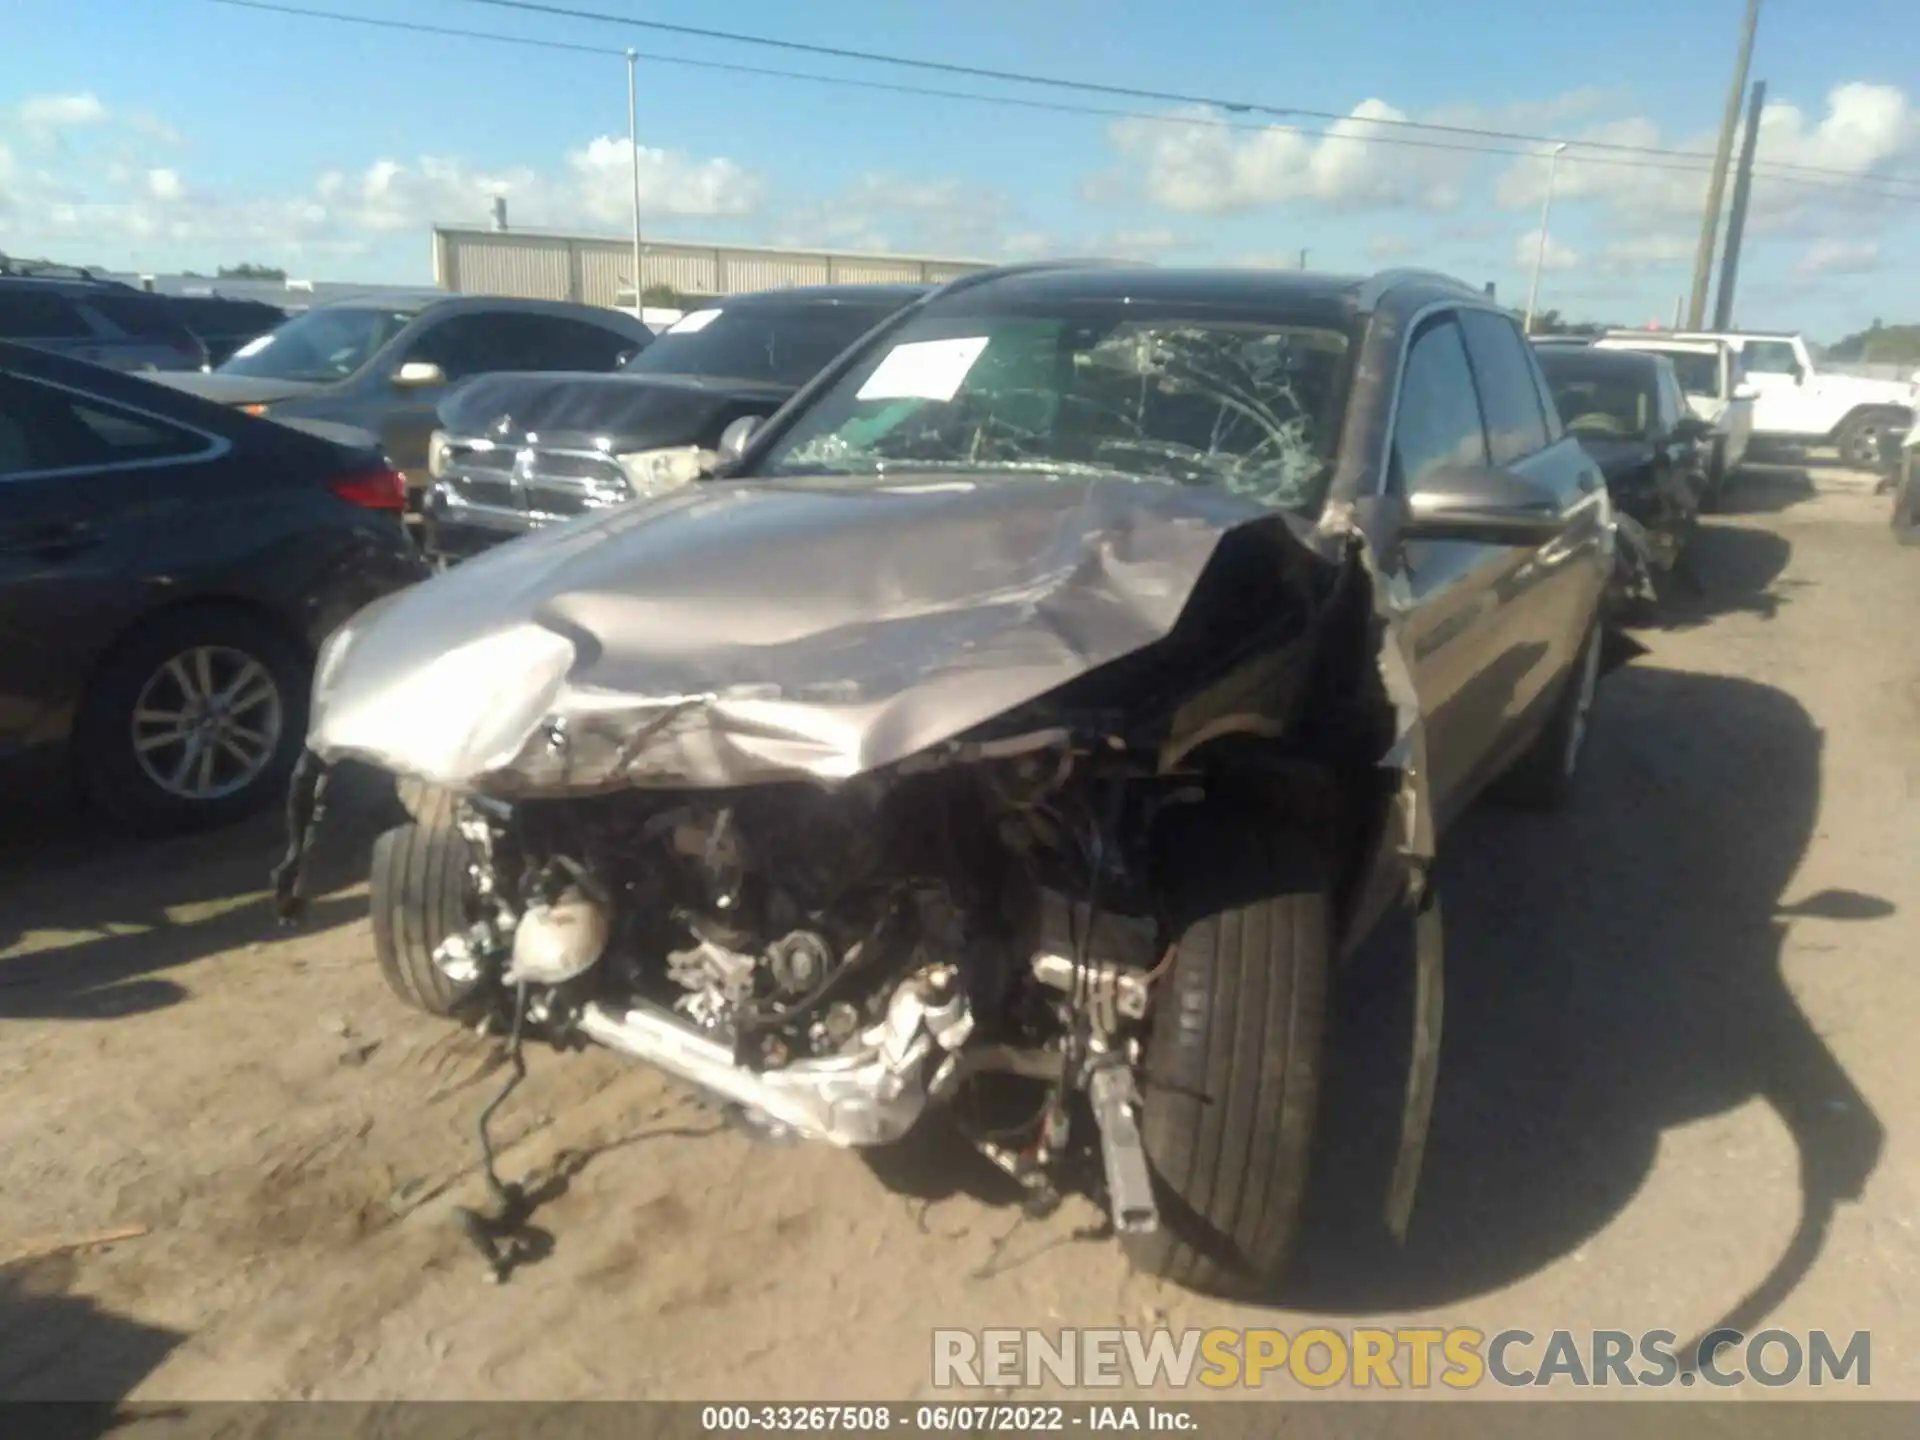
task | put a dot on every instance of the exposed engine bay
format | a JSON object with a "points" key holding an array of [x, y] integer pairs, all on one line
{"points": [[833, 961]]}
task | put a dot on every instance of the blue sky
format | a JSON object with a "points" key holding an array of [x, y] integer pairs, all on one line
{"points": [[163, 134]]}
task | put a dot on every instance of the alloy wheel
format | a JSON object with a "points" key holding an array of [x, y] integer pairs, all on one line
{"points": [[207, 723]]}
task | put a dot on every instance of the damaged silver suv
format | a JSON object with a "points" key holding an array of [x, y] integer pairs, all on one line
{"points": [[1024, 720]]}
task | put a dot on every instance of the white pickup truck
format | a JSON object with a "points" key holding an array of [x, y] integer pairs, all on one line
{"points": [[1798, 402], [1709, 373]]}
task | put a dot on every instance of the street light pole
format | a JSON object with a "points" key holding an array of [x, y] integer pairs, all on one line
{"points": [[633, 155], [1540, 249]]}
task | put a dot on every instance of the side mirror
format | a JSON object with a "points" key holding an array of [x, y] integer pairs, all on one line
{"points": [[734, 439], [1485, 506], [1799, 375], [418, 374], [1692, 427]]}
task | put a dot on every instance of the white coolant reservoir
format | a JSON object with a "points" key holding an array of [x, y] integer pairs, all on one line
{"points": [[554, 943]]}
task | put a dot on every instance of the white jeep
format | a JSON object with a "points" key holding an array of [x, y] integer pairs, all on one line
{"points": [[1798, 402]]}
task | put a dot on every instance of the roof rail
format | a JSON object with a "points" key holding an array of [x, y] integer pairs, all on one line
{"points": [[1024, 267], [20, 267], [1381, 281]]}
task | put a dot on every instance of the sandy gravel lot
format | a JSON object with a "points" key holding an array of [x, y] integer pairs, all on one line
{"points": [[1681, 1086]]}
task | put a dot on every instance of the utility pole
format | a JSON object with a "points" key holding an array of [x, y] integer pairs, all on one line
{"points": [[1540, 250], [1737, 221], [1717, 182], [633, 154], [1303, 259]]}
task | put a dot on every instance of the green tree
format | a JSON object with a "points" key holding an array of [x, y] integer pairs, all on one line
{"points": [[250, 271]]}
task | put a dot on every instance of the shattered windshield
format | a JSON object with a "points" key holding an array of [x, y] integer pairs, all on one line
{"points": [[1251, 407]]}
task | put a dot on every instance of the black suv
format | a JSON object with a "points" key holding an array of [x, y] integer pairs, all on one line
{"points": [[516, 452], [88, 318]]}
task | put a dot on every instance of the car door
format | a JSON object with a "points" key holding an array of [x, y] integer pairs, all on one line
{"points": [[1739, 413], [1547, 594], [80, 479], [1452, 589], [1775, 374], [463, 344]]}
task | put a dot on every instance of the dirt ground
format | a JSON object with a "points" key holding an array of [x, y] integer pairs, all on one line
{"points": [[1680, 1086]]}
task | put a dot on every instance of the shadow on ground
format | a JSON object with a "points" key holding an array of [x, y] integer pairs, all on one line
{"points": [[1734, 571], [1767, 490], [92, 917], [58, 1346], [1612, 972]]}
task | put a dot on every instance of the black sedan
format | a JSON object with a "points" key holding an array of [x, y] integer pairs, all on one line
{"points": [[168, 569], [1626, 407]]}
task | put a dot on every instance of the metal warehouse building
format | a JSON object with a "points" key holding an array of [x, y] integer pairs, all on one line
{"points": [[597, 269]]}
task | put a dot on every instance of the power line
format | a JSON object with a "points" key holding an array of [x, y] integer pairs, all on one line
{"points": [[1047, 106], [1093, 87]]}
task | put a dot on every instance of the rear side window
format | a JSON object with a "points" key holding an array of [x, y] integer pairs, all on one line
{"points": [[1770, 357], [551, 342], [1437, 423], [139, 316], [30, 315], [46, 428], [1509, 394]]}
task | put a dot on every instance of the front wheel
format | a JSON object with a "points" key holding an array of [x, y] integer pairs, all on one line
{"points": [[417, 893], [1231, 1078], [1858, 441]]}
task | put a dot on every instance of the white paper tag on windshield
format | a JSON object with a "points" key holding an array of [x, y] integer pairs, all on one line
{"points": [[923, 369], [253, 346], [697, 320]]}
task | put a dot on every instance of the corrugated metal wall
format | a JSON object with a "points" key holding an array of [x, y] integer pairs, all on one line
{"points": [[595, 269]]}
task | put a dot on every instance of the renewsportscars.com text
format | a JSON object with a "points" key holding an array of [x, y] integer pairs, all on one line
{"points": [[1417, 1358]]}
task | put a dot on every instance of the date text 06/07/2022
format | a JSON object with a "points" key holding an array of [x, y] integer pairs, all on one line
{"points": [[966, 1419]]}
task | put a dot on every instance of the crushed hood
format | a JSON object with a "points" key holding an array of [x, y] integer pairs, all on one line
{"points": [[743, 631], [626, 412]]}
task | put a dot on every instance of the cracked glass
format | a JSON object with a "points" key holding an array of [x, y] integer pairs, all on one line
{"points": [[1249, 407]]}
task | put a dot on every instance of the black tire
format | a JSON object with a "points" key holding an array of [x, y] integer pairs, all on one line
{"points": [[1858, 439], [1231, 1083], [1716, 488], [131, 784], [417, 892], [1543, 777]]}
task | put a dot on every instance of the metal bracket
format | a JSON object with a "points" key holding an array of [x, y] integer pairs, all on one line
{"points": [[306, 809]]}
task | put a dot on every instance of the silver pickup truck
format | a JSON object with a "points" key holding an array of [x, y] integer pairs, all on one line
{"points": [[1712, 379]]}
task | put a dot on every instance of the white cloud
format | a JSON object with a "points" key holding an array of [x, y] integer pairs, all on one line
{"points": [[1195, 163], [107, 200], [1558, 255], [1390, 247], [47, 113], [881, 211], [1862, 129], [1840, 257]]}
